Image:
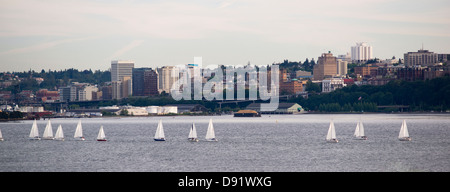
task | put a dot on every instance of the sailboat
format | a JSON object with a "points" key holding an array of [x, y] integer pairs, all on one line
{"points": [[159, 135], [34, 133], [210, 136], [59, 135], [101, 134], [48, 132], [403, 135], [1, 136], [79, 132], [193, 134], [359, 131], [331, 135]]}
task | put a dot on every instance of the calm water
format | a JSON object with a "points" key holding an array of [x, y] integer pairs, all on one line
{"points": [[270, 143]]}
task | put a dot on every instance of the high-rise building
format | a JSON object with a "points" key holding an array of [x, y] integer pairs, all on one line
{"points": [[122, 71], [361, 52], [145, 82], [168, 75], [107, 92], [116, 90], [326, 67], [127, 88], [341, 67], [420, 58]]}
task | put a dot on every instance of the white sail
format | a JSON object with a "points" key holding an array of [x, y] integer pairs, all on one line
{"points": [[59, 135], [101, 134], [159, 131], [331, 132], [48, 132], [1, 135], [210, 135], [359, 130], [78, 131], [403, 130], [356, 134], [192, 132], [34, 133]]}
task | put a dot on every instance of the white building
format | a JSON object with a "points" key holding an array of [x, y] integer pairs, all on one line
{"points": [[168, 75], [169, 109], [30, 109], [153, 109], [361, 52], [329, 85], [161, 110], [120, 69], [123, 71], [137, 111], [85, 93]]}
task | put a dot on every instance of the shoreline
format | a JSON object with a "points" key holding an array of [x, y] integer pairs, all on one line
{"points": [[204, 115]]}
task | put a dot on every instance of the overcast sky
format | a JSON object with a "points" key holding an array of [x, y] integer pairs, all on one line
{"points": [[81, 34]]}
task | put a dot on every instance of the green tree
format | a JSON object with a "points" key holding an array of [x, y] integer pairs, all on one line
{"points": [[313, 87], [124, 112]]}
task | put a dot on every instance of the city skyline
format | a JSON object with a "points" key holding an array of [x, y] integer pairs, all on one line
{"points": [[90, 34]]}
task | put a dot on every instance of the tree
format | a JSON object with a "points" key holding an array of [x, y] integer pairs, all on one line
{"points": [[124, 112], [313, 87], [312, 63]]}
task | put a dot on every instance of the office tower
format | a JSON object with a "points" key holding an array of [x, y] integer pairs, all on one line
{"points": [[121, 70], [107, 92], [420, 58], [341, 67], [326, 67], [168, 75], [361, 52], [127, 88], [145, 82], [116, 90]]}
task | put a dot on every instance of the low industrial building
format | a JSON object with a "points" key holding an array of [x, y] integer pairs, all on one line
{"points": [[283, 108]]}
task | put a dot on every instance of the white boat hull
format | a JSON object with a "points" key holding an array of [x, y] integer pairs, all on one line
{"points": [[213, 139], [405, 139], [35, 138], [361, 138], [80, 138], [332, 141], [193, 139]]}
